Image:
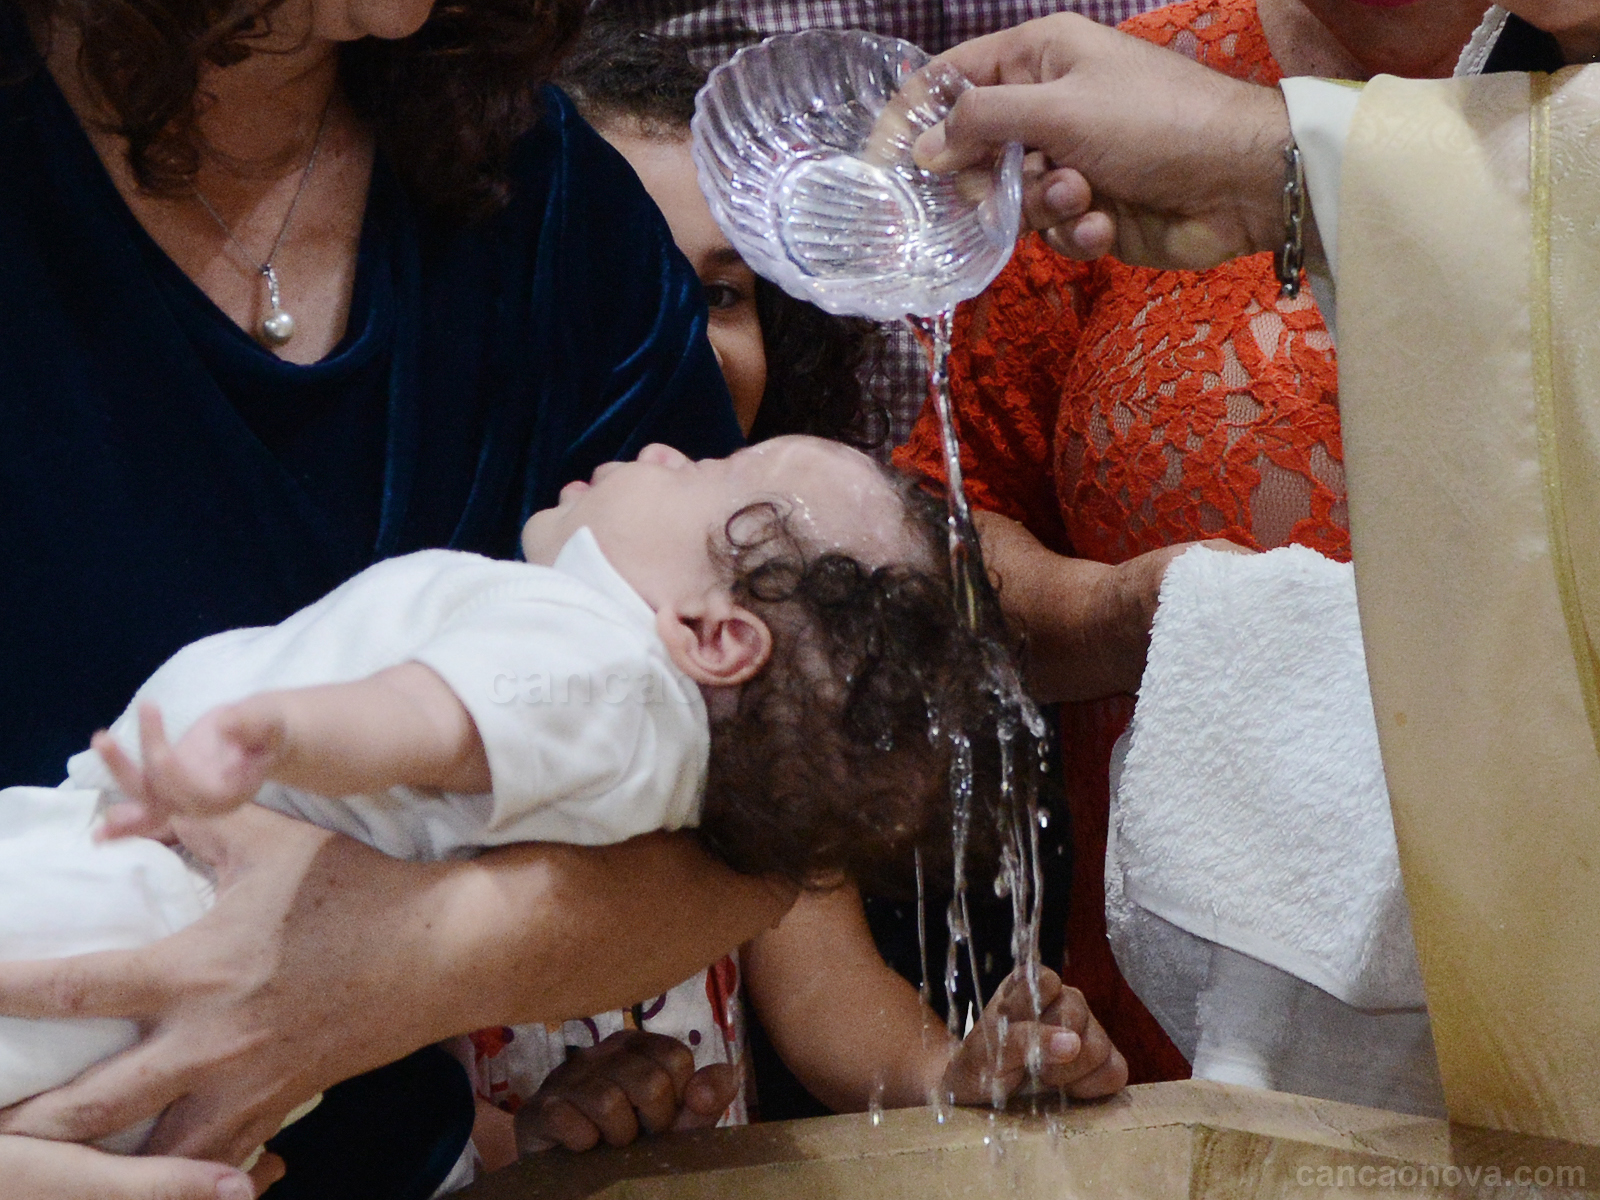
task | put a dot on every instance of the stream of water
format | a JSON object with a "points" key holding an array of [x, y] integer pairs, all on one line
{"points": [[1021, 733]]}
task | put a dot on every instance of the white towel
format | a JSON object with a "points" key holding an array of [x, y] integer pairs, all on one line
{"points": [[1253, 885]]}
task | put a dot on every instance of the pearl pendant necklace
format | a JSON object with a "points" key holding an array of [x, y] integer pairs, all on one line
{"points": [[277, 327]]}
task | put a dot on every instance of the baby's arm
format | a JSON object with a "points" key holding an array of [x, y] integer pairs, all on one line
{"points": [[400, 727], [850, 1028], [842, 1020]]}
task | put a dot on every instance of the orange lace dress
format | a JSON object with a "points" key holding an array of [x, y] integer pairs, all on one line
{"points": [[1115, 410]]}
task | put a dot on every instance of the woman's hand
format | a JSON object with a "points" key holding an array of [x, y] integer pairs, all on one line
{"points": [[248, 1011], [1075, 1055], [34, 1169], [323, 959], [632, 1081], [1088, 623], [1151, 157]]}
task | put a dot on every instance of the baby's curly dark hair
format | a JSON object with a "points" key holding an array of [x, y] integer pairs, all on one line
{"points": [[837, 761], [619, 74]]}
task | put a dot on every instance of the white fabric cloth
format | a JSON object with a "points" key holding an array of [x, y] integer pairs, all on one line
{"points": [[593, 735], [60, 894], [1253, 886], [1475, 55], [1320, 112]]}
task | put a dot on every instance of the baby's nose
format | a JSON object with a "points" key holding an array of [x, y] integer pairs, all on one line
{"points": [[659, 455]]}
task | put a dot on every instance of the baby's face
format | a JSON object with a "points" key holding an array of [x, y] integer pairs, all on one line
{"points": [[652, 517]]}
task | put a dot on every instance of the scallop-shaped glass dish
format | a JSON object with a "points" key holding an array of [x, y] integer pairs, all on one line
{"points": [[803, 149]]}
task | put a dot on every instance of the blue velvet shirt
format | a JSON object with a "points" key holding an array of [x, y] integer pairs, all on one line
{"points": [[162, 477]]}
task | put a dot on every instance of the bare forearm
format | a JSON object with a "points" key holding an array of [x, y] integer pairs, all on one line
{"points": [[400, 727], [1087, 623], [845, 1023], [548, 932]]}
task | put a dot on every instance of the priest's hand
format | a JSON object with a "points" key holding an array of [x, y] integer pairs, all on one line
{"points": [[1146, 155]]}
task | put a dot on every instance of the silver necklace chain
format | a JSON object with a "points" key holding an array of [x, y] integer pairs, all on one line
{"points": [[277, 327]]}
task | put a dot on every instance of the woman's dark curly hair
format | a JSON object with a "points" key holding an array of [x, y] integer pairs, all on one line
{"points": [[620, 74], [837, 760], [445, 104]]}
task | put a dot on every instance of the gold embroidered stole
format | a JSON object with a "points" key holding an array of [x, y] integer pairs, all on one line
{"points": [[1469, 359]]}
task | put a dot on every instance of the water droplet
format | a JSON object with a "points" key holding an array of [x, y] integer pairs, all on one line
{"points": [[995, 1140]]}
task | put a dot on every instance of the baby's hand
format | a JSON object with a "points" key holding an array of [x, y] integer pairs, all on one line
{"points": [[1075, 1054], [218, 765], [631, 1081]]}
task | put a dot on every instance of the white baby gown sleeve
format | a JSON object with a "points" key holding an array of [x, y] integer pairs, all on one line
{"points": [[593, 735]]}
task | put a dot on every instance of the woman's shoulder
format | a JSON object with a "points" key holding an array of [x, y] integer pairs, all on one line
{"points": [[586, 285], [1225, 35], [562, 164]]}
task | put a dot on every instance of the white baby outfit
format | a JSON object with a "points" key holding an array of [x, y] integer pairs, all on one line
{"points": [[592, 734]]}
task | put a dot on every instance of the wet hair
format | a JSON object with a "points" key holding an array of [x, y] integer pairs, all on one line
{"points": [[618, 74], [446, 104], [836, 762]]}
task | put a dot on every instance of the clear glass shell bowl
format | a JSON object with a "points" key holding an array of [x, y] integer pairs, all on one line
{"points": [[803, 149]]}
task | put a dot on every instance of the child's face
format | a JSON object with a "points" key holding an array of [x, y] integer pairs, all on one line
{"points": [[667, 171], [653, 517]]}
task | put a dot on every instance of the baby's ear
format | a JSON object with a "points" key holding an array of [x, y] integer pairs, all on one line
{"points": [[717, 643]]}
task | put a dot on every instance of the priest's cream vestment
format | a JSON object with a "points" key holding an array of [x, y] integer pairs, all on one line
{"points": [[1468, 237]]}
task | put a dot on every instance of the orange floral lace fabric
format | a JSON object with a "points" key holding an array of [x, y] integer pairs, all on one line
{"points": [[1114, 410]]}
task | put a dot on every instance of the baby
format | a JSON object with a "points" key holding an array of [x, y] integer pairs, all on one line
{"points": [[756, 646]]}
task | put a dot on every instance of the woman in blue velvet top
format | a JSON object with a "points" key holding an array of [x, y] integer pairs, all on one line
{"points": [[286, 287]]}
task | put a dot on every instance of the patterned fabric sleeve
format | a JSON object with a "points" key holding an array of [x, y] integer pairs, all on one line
{"points": [[1011, 350]]}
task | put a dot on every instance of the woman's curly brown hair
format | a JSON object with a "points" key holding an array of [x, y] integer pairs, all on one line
{"points": [[445, 104], [837, 761]]}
